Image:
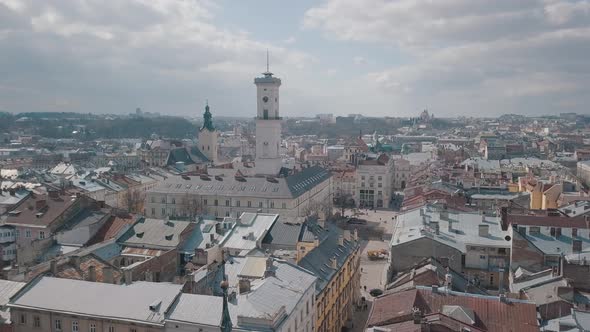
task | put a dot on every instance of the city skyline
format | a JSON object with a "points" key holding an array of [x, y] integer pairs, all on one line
{"points": [[375, 58]]}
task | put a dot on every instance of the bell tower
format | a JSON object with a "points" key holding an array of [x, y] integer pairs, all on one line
{"points": [[208, 136], [268, 124]]}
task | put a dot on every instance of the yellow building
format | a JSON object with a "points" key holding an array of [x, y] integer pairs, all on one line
{"points": [[543, 195], [333, 256]]}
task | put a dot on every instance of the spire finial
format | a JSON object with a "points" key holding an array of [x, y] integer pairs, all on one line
{"points": [[206, 102], [267, 66]]}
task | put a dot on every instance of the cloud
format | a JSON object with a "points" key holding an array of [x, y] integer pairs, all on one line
{"points": [[113, 56], [500, 56], [359, 60]]}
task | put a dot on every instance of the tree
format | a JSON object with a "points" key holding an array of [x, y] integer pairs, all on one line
{"points": [[318, 208], [343, 201], [191, 206]]}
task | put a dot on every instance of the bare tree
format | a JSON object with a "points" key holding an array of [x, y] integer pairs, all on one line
{"points": [[343, 201], [191, 206], [321, 209]]}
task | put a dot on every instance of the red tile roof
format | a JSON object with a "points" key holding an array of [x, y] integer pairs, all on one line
{"points": [[112, 228], [491, 314]]}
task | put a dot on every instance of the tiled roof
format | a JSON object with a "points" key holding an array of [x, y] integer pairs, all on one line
{"points": [[113, 228], [491, 314], [27, 212]]}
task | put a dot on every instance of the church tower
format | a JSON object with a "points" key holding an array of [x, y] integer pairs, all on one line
{"points": [[208, 137], [268, 124]]}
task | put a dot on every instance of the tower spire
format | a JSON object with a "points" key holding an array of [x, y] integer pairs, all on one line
{"points": [[267, 66]]}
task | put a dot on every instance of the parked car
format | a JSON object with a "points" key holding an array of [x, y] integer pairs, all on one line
{"points": [[375, 292], [356, 221]]}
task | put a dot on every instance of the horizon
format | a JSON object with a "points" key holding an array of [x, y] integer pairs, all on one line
{"points": [[333, 56]]}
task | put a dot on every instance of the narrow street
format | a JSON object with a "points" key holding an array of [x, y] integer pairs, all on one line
{"points": [[373, 272]]}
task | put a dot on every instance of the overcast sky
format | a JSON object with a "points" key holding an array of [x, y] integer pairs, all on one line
{"points": [[375, 57]]}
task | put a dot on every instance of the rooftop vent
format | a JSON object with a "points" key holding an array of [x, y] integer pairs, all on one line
{"points": [[155, 306]]}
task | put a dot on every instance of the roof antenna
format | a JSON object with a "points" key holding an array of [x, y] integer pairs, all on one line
{"points": [[267, 70]]}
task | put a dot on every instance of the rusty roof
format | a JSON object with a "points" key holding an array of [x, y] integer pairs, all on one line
{"points": [[113, 228], [491, 314], [39, 210]]}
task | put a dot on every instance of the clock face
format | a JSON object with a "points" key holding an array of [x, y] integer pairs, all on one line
{"points": [[265, 99]]}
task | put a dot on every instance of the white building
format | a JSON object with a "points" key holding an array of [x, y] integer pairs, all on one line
{"points": [[223, 194], [268, 125], [374, 182], [265, 294]]}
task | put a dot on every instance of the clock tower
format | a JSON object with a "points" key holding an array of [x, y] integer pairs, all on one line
{"points": [[268, 124]]}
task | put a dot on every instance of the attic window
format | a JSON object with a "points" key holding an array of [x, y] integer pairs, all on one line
{"points": [[169, 237], [139, 235]]}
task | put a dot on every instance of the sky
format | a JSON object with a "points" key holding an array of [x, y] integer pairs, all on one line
{"points": [[373, 57]]}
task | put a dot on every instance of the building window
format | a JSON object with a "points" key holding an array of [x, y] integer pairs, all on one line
{"points": [[163, 212], [41, 235], [227, 213], [227, 202], [36, 321], [535, 230], [153, 212], [272, 205], [163, 200], [215, 202], [249, 204], [153, 199], [238, 203], [552, 231], [17, 233], [27, 233], [173, 200], [574, 232], [75, 326], [58, 324], [204, 202], [379, 185], [111, 328], [379, 178], [132, 329], [23, 319], [260, 204], [284, 205], [92, 327]]}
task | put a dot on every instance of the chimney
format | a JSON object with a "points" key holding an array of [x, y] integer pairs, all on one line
{"points": [[334, 263], [107, 275], [504, 218], [270, 271], [211, 237], [316, 242], [243, 286], [346, 234], [53, 267], [416, 315], [355, 235], [75, 261], [341, 240], [128, 276], [92, 273], [503, 298], [484, 230], [435, 227]]}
